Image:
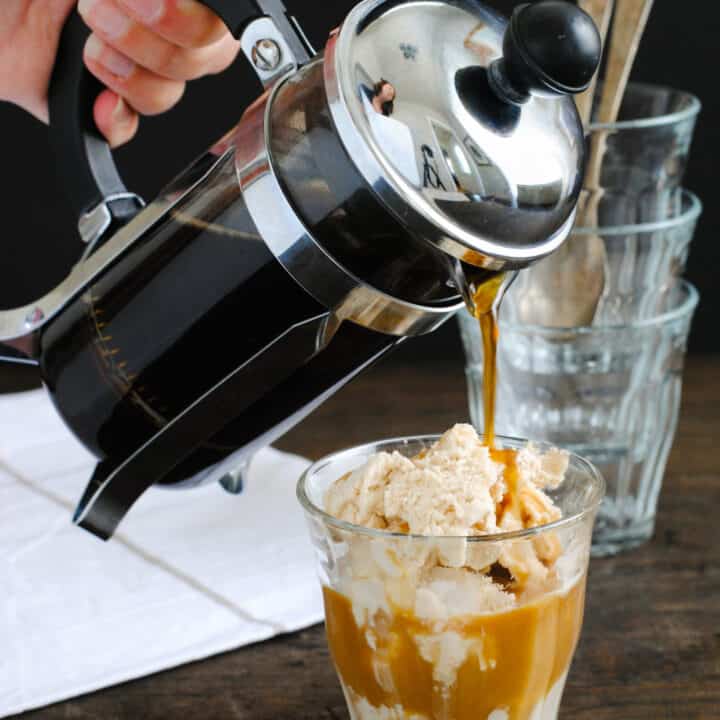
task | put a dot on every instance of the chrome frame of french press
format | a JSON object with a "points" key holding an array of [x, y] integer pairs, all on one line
{"points": [[302, 256]]}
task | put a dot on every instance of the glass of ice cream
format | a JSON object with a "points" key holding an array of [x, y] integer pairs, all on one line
{"points": [[453, 575]]}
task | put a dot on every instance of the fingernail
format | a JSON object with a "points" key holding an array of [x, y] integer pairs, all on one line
{"points": [[105, 17], [149, 11], [110, 59]]}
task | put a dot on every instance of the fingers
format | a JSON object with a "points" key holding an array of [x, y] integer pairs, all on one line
{"points": [[144, 51], [144, 91], [147, 48], [115, 119], [186, 23]]}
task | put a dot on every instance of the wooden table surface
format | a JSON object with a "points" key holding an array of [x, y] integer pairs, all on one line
{"points": [[651, 641]]}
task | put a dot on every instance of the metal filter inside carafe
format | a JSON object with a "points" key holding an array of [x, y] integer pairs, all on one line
{"points": [[334, 222]]}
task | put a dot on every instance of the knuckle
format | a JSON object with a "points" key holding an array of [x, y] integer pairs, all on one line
{"points": [[207, 33], [155, 102], [183, 64], [171, 63]]}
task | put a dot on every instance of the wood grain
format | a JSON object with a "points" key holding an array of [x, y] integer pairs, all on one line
{"points": [[651, 643], [601, 12], [629, 23]]}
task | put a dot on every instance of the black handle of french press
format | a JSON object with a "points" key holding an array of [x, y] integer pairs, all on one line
{"points": [[236, 14], [550, 48], [82, 155]]}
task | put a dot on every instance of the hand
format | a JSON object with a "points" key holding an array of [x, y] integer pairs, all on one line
{"points": [[143, 51], [29, 34]]}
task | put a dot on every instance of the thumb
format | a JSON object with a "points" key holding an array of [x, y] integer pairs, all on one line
{"points": [[115, 119]]}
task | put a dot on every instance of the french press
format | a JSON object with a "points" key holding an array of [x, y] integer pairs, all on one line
{"points": [[326, 228]]}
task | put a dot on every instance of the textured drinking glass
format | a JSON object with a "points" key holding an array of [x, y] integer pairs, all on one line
{"points": [[646, 155], [611, 394], [637, 225], [396, 664], [642, 265]]}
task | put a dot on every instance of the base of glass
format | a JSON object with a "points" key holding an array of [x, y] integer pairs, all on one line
{"points": [[360, 709], [608, 541]]}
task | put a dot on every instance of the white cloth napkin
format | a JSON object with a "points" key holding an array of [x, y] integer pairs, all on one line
{"points": [[190, 574]]}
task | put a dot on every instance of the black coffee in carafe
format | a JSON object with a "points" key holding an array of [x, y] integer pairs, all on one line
{"points": [[200, 296]]}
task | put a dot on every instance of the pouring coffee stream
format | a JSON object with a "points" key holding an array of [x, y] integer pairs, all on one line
{"points": [[485, 297], [300, 249]]}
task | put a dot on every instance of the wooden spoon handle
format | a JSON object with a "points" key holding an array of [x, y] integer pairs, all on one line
{"points": [[630, 20], [631, 17], [601, 12]]}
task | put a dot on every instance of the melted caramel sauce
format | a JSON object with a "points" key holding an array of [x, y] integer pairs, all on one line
{"points": [[511, 475], [517, 657]]}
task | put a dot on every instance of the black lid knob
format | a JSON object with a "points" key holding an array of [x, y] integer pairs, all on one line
{"points": [[550, 48]]}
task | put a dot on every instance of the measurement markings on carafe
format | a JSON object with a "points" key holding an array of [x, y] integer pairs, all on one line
{"points": [[116, 368]]}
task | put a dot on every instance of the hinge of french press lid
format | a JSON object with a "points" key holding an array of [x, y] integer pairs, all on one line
{"points": [[275, 44]]}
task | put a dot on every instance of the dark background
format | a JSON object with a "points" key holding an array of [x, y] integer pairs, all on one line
{"points": [[39, 241]]}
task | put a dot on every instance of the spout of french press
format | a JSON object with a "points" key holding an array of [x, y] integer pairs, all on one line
{"points": [[550, 48]]}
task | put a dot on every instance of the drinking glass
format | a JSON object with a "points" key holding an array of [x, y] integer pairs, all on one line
{"points": [[409, 629], [643, 263], [635, 222], [609, 393], [646, 153]]}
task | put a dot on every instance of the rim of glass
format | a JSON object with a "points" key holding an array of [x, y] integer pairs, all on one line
{"points": [[690, 215], [692, 110], [371, 448], [687, 307]]}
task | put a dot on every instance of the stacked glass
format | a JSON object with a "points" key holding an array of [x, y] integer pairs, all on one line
{"points": [[611, 391]]}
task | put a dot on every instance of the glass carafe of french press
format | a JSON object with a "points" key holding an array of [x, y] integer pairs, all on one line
{"points": [[332, 223]]}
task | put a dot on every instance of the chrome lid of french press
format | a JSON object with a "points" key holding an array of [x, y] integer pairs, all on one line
{"points": [[462, 123]]}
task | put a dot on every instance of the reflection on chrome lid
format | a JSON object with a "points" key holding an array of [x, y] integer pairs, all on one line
{"points": [[411, 95]]}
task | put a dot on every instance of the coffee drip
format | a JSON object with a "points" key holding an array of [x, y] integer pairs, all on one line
{"points": [[486, 298]]}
